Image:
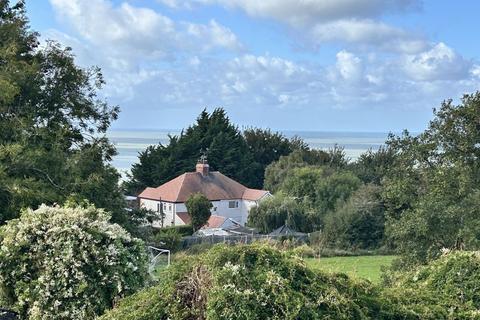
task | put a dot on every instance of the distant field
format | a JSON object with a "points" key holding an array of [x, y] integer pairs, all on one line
{"points": [[367, 267]]}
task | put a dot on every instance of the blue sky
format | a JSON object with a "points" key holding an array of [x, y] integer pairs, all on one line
{"points": [[326, 65]]}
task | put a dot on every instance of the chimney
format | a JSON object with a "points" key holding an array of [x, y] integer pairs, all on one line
{"points": [[202, 166]]}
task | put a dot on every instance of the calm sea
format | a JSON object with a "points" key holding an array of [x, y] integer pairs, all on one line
{"points": [[130, 142]]}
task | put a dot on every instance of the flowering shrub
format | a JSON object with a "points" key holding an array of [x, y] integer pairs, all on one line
{"points": [[249, 282], [446, 288], [67, 263]]}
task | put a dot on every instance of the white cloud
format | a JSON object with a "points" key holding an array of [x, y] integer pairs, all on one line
{"points": [[130, 30], [367, 33], [349, 21], [307, 12], [349, 66], [439, 63], [214, 35]]}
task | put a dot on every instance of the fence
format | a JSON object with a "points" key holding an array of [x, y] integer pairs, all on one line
{"points": [[233, 239]]}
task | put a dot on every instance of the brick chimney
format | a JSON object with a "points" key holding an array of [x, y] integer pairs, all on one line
{"points": [[202, 166]]}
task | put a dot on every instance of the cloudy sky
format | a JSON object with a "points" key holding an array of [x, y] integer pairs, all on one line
{"points": [[326, 65]]}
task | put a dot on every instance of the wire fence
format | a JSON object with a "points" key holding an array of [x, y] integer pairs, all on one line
{"points": [[189, 241]]}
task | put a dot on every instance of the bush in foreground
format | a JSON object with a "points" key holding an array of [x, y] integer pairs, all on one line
{"points": [[249, 282], [67, 263], [447, 288]]}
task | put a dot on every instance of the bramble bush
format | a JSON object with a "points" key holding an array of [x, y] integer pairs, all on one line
{"points": [[67, 263], [249, 282], [446, 288]]}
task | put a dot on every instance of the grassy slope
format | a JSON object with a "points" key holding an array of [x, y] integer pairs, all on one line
{"points": [[368, 267]]}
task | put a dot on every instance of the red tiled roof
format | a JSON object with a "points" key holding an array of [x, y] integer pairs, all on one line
{"points": [[185, 217], [253, 194], [215, 221], [215, 186]]}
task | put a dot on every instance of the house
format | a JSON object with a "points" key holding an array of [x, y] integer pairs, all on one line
{"points": [[229, 198]]}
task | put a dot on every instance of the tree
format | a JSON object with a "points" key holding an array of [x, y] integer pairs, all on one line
{"points": [[52, 125], [267, 146], [359, 222], [276, 172], [372, 166], [198, 207], [280, 210], [432, 191], [212, 133], [68, 263]]}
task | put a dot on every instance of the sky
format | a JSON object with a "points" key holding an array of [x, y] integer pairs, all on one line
{"points": [[320, 65]]}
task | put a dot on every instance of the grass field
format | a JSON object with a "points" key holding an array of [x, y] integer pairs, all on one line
{"points": [[367, 267]]}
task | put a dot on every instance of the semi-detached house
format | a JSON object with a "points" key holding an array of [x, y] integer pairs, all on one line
{"points": [[229, 198]]}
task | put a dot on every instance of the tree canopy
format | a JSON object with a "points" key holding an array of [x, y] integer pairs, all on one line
{"points": [[432, 190], [198, 207], [52, 124]]}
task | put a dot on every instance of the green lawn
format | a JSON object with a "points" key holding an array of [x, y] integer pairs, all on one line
{"points": [[368, 267]]}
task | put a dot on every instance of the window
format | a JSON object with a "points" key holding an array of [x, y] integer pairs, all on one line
{"points": [[158, 207], [164, 206], [232, 204], [170, 207]]}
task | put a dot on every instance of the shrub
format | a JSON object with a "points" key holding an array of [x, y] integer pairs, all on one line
{"points": [[304, 251], [249, 282], [68, 263], [167, 239], [446, 288]]}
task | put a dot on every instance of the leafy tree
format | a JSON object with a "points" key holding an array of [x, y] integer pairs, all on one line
{"points": [[358, 223], [280, 210], [52, 125], [68, 263], [432, 191], [198, 207], [334, 189], [212, 133], [267, 146], [300, 182], [372, 166], [278, 171]]}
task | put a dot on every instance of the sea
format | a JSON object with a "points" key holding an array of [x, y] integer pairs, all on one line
{"points": [[130, 142]]}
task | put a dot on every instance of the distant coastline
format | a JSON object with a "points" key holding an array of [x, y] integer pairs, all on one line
{"points": [[129, 142]]}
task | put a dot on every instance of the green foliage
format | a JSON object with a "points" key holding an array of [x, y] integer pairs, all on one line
{"points": [[279, 210], [67, 263], [52, 125], [446, 288], [432, 192], [167, 239], [372, 166], [213, 132], [170, 237], [334, 189], [358, 223], [278, 171], [198, 207], [249, 282], [267, 146]]}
